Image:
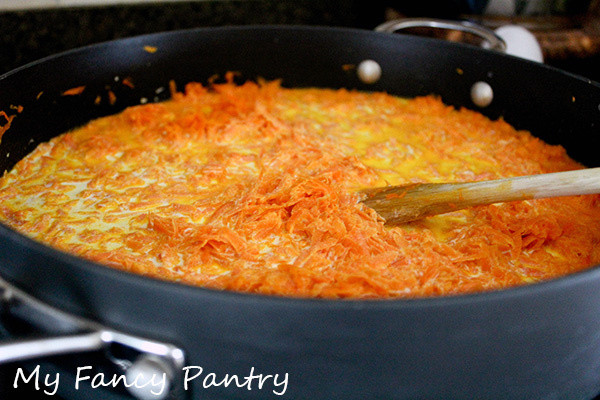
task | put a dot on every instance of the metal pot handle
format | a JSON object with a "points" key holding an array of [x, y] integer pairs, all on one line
{"points": [[74, 334], [492, 40]]}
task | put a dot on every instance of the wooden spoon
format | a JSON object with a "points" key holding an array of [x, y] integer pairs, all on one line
{"points": [[404, 203]]}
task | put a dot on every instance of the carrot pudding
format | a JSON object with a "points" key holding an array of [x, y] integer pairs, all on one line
{"points": [[253, 188]]}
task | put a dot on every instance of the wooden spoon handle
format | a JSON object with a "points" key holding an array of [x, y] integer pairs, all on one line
{"points": [[397, 204]]}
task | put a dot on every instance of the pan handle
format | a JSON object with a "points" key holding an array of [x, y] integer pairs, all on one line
{"points": [[73, 334], [492, 40], [27, 349]]}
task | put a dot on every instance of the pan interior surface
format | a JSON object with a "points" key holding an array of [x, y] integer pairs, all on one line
{"points": [[253, 188]]}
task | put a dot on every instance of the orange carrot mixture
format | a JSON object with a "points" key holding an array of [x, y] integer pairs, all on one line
{"points": [[253, 188], [74, 91]]}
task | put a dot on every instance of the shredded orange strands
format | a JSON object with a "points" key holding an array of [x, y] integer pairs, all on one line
{"points": [[18, 108], [128, 82], [6, 121], [112, 97], [253, 188], [74, 91]]}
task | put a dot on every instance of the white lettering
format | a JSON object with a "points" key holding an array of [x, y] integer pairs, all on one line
{"points": [[79, 378], [250, 377], [187, 379], [284, 383], [140, 382], [157, 382], [210, 380], [35, 374], [98, 380], [262, 379], [228, 379], [54, 383], [162, 382]]}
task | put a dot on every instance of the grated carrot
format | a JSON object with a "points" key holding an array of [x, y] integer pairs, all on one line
{"points": [[252, 188], [74, 91], [5, 125]]}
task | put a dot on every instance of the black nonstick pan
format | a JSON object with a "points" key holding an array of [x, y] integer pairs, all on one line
{"points": [[539, 341]]}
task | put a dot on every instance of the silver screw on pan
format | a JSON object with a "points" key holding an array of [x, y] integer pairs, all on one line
{"points": [[152, 378], [369, 71], [482, 94]]}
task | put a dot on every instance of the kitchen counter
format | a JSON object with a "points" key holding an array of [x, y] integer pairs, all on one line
{"points": [[28, 35]]}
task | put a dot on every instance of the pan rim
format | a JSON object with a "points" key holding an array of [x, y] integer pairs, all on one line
{"points": [[289, 28]]}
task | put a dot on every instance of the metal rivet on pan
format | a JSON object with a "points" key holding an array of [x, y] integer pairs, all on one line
{"points": [[152, 378], [369, 71], [482, 94]]}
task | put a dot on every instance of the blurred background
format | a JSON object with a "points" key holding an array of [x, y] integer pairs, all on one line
{"points": [[568, 31]]}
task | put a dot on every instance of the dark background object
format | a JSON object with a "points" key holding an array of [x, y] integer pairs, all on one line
{"points": [[571, 41], [28, 35]]}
